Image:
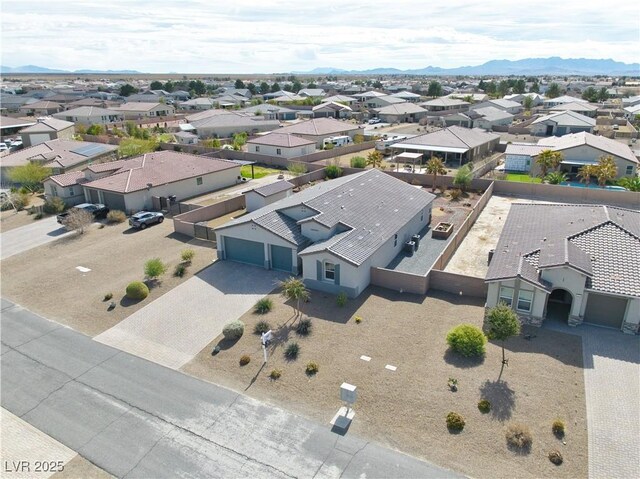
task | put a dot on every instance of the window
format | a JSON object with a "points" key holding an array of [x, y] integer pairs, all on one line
{"points": [[330, 271], [278, 151], [506, 295], [395, 240], [629, 170], [257, 149], [199, 180], [422, 216], [525, 298], [70, 191], [54, 190]]}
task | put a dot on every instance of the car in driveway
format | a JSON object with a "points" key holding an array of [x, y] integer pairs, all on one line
{"points": [[375, 121], [99, 211], [142, 219]]}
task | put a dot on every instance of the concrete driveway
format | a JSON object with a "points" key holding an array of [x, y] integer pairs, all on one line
{"points": [[175, 327], [30, 236]]}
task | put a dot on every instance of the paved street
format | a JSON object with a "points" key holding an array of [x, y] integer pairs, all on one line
{"points": [[30, 236], [612, 383], [134, 418], [175, 327]]}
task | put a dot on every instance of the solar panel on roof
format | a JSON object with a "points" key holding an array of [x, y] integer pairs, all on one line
{"points": [[91, 150]]}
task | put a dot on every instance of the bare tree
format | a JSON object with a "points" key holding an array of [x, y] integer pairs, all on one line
{"points": [[77, 220]]}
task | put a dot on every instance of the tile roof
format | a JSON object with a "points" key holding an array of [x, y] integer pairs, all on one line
{"points": [[221, 120], [444, 101], [139, 106], [273, 188], [565, 99], [598, 142], [66, 153], [284, 140], [567, 118], [574, 106], [39, 105], [491, 113], [401, 109], [48, 124], [523, 149], [87, 111], [8, 122], [601, 241], [319, 127], [367, 209], [451, 137], [158, 168], [69, 179]]}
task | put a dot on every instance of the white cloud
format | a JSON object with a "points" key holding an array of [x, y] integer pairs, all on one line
{"points": [[283, 35]]}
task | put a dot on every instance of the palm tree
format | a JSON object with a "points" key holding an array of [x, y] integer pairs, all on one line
{"points": [[548, 160], [586, 172], [435, 167], [606, 170], [374, 159], [555, 178], [294, 289]]}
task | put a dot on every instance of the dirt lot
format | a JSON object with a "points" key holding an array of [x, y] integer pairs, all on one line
{"points": [[345, 160], [406, 409], [471, 256], [228, 217], [46, 281], [11, 219]]}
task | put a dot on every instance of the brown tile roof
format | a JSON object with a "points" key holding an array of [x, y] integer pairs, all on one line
{"points": [[66, 153], [69, 179], [158, 168], [48, 124], [319, 127], [44, 104], [280, 139]]}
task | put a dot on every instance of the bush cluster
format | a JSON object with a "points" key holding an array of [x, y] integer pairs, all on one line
{"points": [[558, 427], [180, 270], [455, 421], [358, 319], [116, 216], [54, 205], [467, 340], [108, 296], [555, 457], [261, 327], [455, 194], [484, 406], [263, 306], [304, 327], [187, 255], [275, 374], [312, 368], [137, 290], [154, 268], [291, 350], [245, 359], [233, 330], [333, 171], [519, 436], [358, 162], [341, 299]]}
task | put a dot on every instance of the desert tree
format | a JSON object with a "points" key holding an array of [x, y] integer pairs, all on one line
{"points": [[294, 289], [502, 323], [435, 167], [77, 220]]}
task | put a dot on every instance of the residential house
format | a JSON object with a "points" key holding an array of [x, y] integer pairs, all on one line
{"points": [[138, 110], [445, 104], [553, 102], [344, 99], [331, 109], [630, 112], [376, 102], [179, 95], [364, 97], [536, 99], [474, 97], [40, 108], [402, 113], [47, 129], [312, 93], [407, 96], [454, 143], [489, 116], [262, 196], [509, 106], [332, 233], [224, 124], [90, 115], [573, 263], [186, 138], [561, 123], [586, 109], [318, 129], [279, 144], [198, 104], [10, 126], [271, 112], [626, 102], [519, 157], [13, 103]]}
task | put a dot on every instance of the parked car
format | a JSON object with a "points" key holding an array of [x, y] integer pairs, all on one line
{"points": [[99, 211], [16, 145], [3, 147], [142, 219], [374, 121]]}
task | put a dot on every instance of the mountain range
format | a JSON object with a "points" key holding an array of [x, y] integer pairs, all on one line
{"points": [[43, 70], [527, 66]]}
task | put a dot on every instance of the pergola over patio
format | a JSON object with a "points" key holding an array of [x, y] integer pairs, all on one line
{"points": [[406, 158]]}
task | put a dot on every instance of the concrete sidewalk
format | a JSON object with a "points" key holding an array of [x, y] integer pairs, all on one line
{"points": [[136, 419]]}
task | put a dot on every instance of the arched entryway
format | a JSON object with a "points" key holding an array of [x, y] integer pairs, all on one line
{"points": [[559, 305]]}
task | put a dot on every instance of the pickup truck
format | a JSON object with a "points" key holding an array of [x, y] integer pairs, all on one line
{"points": [[97, 210]]}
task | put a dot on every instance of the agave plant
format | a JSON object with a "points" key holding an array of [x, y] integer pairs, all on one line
{"points": [[555, 178]]}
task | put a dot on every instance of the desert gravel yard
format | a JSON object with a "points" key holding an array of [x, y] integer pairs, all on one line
{"points": [[46, 281], [406, 408]]}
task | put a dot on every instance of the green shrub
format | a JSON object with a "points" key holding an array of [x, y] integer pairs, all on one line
{"points": [[263, 306], [312, 368], [358, 319], [20, 200], [519, 437], [154, 268], [467, 340], [558, 427], [304, 327], [291, 350], [341, 299], [455, 421], [245, 359], [108, 296], [261, 327], [328, 146], [358, 162], [484, 406], [463, 177], [275, 374], [333, 171], [54, 205], [233, 330], [180, 270], [187, 255], [137, 290], [555, 457], [116, 216], [38, 216]]}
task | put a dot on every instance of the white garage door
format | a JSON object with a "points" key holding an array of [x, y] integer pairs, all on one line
{"points": [[38, 138]]}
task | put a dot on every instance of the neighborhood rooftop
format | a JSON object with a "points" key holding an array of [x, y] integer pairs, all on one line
{"points": [[583, 138]]}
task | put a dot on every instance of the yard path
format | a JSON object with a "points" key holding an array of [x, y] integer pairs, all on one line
{"points": [[612, 384], [172, 329], [30, 236]]}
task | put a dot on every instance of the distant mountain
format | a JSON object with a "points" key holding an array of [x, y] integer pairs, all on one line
{"points": [[527, 66], [43, 70]]}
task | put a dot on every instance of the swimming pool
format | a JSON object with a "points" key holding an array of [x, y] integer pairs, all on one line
{"points": [[591, 185]]}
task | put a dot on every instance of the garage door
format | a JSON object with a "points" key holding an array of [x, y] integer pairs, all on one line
{"points": [[114, 201], [605, 310], [281, 258], [244, 251]]}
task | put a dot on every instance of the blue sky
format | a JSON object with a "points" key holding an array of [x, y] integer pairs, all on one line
{"points": [[242, 36]]}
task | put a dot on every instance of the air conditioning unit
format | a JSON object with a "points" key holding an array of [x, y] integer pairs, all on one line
{"points": [[410, 247], [416, 240]]}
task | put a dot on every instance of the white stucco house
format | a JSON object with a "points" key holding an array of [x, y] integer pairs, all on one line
{"points": [[281, 144], [135, 110], [561, 123], [90, 115], [573, 263], [332, 233]]}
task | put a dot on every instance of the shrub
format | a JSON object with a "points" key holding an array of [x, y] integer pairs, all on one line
{"points": [[328, 146], [558, 427], [38, 216], [180, 270], [154, 268], [108, 296], [333, 171], [261, 327], [187, 255], [484, 406], [292, 350], [312, 368], [137, 290], [245, 359], [233, 330], [455, 194], [358, 162], [263, 306], [467, 340], [304, 327], [116, 216], [341, 299], [455, 421], [358, 319], [77, 220], [275, 374], [358, 138], [555, 457], [463, 177], [54, 205], [20, 200], [519, 437]]}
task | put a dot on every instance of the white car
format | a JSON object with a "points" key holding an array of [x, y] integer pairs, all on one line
{"points": [[3, 146]]}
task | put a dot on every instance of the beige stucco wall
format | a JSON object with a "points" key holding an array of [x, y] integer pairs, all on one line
{"points": [[255, 201], [271, 150], [588, 153]]}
